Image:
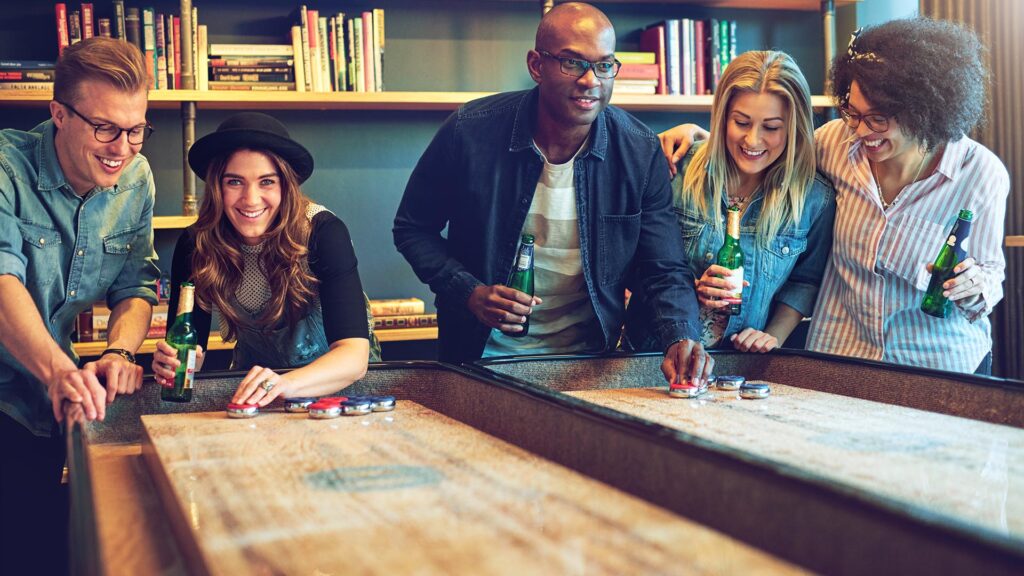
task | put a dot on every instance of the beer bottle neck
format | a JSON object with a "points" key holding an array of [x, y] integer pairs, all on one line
{"points": [[186, 302]]}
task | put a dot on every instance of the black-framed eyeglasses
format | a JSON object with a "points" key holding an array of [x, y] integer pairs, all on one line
{"points": [[875, 122], [577, 67], [107, 133]]}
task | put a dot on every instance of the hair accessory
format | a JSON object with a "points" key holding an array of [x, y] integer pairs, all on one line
{"points": [[250, 130], [855, 55]]}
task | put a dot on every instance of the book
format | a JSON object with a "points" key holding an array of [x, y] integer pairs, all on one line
{"points": [[357, 75], [74, 27], [673, 70], [149, 46], [404, 321], [252, 69], [368, 57], [161, 53], [644, 57], [397, 306], [118, 23], [637, 71], [27, 75], [61, 11], [300, 69], [325, 64], [27, 86], [133, 26], [699, 64], [202, 54], [254, 62], [176, 35], [220, 76], [103, 27], [184, 32], [251, 50], [27, 64], [378, 49], [251, 86], [88, 30]]}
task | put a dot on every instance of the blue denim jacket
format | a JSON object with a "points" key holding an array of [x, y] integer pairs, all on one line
{"points": [[788, 270], [478, 177], [69, 251]]}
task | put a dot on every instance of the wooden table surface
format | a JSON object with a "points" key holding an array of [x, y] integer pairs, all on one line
{"points": [[965, 469], [408, 492]]}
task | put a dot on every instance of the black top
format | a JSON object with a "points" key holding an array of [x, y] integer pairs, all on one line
{"points": [[332, 260]]}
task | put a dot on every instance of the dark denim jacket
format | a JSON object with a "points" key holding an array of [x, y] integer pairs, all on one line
{"points": [[478, 177], [69, 251], [788, 270]]}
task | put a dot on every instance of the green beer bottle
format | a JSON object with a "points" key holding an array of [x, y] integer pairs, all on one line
{"points": [[951, 253], [521, 277], [182, 337], [730, 256]]}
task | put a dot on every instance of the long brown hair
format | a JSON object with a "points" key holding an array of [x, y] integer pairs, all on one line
{"points": [[785, 182], [217, 262]]}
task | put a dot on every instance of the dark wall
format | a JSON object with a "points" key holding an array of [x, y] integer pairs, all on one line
{"points": [[364, 158]]}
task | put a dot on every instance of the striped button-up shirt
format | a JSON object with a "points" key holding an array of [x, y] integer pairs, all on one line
{"points": [[869, 303]]}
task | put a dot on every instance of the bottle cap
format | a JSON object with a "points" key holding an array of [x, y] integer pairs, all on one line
{"points": [[755, 390]]}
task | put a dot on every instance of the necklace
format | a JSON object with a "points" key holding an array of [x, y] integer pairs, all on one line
{"points": [[878, 183]]}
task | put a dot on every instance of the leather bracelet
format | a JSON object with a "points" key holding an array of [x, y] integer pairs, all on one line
{"points": [[120, 352]]}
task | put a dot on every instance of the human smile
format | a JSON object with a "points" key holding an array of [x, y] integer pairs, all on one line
{"points": [[253, 214], [585, 102], [110, 165], [752, 154]]}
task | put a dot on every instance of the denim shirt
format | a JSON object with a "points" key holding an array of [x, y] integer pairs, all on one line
{"points": [[478, 177], [68, 251], [788, 270]]}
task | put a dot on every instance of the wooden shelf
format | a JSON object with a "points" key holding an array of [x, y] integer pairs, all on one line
{"points": [[1015, 241], [216, 343], [172, 222], [171, 99]]}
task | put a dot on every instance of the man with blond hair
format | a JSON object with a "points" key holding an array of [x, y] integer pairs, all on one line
{"points": [[76, 209]]}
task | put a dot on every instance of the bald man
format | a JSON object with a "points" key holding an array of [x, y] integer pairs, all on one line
{"points": [[586, 179]]}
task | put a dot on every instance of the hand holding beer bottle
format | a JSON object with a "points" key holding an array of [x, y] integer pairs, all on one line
{"points": [[182, 338], [508, 306], [721, 285], [952, 260]]}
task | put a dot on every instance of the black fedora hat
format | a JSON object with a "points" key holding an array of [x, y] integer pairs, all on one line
{"points": [[253, 130]]}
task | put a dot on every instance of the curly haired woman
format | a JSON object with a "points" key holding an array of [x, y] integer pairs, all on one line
{"points": [[279, 269], [903, 167]]}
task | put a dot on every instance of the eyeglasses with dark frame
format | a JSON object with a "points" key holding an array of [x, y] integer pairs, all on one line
{"points": [[577, 67], [875, 122], [107, 133]]}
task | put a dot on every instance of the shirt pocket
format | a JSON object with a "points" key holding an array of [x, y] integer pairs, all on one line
{"points": [[907, 249], [117, 248], [782, 254], [618, 235], [42, 249]]}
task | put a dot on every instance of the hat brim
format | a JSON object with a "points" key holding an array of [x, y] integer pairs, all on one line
{"points": [[226, 141]]}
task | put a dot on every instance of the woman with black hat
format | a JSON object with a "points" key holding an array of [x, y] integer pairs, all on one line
{"points": [[280, 269]]}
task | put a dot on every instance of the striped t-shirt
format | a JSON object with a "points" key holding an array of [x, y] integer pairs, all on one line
{"points": [[870, 299], [566, 321]]}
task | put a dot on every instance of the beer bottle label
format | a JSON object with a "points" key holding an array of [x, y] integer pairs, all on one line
{"points": [[190, 369], [523, 262], [736, 297]]}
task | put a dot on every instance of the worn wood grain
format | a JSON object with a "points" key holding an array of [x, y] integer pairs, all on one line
{"points": [[410, 491], [967, 470]]}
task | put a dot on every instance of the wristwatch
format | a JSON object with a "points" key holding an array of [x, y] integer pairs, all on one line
{"points": [[120, 352]]}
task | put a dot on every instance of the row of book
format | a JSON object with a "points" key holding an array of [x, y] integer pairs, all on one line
{"points": [[320, 54], [26, 74], [91, 325], [691, 54]]}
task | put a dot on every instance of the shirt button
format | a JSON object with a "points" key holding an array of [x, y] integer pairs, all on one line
{"points": [[42, 240], [708, 257], [81, 252], [785, 249], [72, 293], [128, 246]]}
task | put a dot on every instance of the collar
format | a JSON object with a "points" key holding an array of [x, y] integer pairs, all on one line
{"points": [[526, 118], [51, 176], [954, 157]]}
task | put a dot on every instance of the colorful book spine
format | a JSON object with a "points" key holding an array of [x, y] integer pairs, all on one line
{"points": [[368, 58], [118, 22], [103, 27], [88, 15], [149, 46], [405, 321], [74, 27], [397, 306], [26, 75], [652, 39], [378, 49], [63, 42], [133, 26], [183, 30], [300, 68], [27, 64], [699, 65], [325, 63]]}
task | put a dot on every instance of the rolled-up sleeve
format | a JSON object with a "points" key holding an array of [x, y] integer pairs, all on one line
{"points": [[986, 243]]}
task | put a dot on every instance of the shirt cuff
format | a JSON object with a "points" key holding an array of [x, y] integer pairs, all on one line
{"points": [[672, 332], [798, 296]]}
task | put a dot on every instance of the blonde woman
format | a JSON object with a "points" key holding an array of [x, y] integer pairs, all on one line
{"points": [[759, 158], [279, 269]]}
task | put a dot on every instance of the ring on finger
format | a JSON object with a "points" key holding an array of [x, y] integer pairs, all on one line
{"points": [[267, 384]]}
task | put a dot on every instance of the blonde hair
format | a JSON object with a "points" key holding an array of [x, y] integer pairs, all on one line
{"points": [[217, 261], [115, 62], [785, 182]]}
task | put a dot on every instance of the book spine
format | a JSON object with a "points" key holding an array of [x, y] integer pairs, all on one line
{"points": [[638, 72], [332, 41], [396, 307], [357, 55], [300, 69], [672, 70], [161, 53], [87, 20], [312, 24], [405, 321], [27, 64], [342, 54], [27, 86], [183, 30], [368, 60], [133, 26], [204, 56], [699, 66], [252, 87], [325, 65], [176, 35], [169, 52], [378, 48], [351, 29], [216, 68], [103, 27], [74, 27], [198, 72], [27, 75], [118, 22], [63, 42], [255, 77], [685, 57], [307, 56], [251, 50], [149, 46]]}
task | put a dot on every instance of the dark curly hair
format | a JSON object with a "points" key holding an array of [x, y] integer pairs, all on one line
{"points": [[930, 74]]}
